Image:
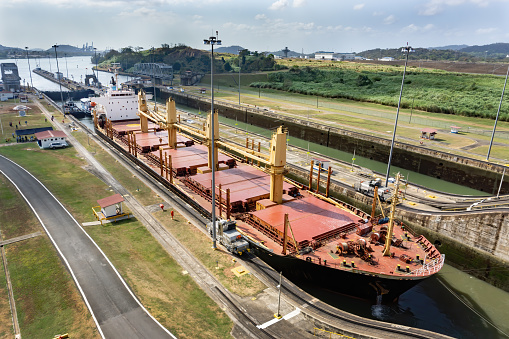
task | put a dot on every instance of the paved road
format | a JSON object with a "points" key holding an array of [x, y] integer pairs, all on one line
{"points": [[114, 307]]}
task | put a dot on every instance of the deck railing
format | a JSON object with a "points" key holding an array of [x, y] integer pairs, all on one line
{"points": [[430, 268]]}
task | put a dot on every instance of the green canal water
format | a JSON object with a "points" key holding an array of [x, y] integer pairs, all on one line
{"points": [[376, 166]]}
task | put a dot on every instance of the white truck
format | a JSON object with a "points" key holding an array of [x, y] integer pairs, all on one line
{"points": [[231, 238], [368, 188]]}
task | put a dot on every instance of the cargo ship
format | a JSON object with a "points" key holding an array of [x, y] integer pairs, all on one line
{"points": [[298, 230]]}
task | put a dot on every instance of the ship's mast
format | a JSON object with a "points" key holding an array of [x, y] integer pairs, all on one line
{"points": [[388, 238]]}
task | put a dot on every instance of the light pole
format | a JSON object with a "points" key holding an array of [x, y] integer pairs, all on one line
{"points": [[278, 315], [213, 40], [240, 51], [66, 69], [96, 70], [407, 50], [29, 70], [154, 76], [498, 113], [60, 79]]}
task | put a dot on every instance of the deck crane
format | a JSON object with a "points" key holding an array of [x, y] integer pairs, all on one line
{"points": [[275, 161]]}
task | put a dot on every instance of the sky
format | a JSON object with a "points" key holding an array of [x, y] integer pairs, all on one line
{"points": [[258, 25]]}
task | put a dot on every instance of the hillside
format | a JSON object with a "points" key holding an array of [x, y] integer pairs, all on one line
{"points": [[184, 58], [425, 89]]}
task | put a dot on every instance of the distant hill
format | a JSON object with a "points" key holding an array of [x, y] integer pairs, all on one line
{"points": [[5, 48], [68, 49], [232, 49], [498, 49], [451, 47]]}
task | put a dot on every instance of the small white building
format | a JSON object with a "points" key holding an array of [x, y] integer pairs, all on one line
{"points": [[386, 59], [111, 206], [5, 95], [46, 138], [324, 56]]}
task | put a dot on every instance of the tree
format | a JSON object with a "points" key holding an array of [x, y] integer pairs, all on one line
{"points": [[227, 67], [177, 66]]}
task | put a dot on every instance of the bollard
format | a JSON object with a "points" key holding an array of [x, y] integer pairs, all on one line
{"points": [[172, 214]]}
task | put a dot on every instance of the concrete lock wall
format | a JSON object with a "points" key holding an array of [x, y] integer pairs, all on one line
{"points": [[464, 171]]}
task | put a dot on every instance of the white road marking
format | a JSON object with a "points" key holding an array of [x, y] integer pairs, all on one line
{"points": [[275, 320]]}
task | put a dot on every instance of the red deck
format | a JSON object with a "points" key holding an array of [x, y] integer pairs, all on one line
{"points": [[314, 222], [311, 219]]}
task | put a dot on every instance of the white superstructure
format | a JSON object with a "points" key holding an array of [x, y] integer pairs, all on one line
{"points": [[117, 104]]}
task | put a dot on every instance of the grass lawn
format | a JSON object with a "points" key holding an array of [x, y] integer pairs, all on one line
{"points": [[6, 329], [170, 295], [150, 271], [10, 119], [134, 185], [219, 262], [47, 300]]}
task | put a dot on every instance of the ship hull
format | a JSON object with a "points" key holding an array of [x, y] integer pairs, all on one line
{"points": [[371, 287]]}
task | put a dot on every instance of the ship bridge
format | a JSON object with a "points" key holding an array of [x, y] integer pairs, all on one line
{"points": [[158, 70]]}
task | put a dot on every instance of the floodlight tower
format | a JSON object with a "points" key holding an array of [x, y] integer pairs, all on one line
{"points": [[407, 50], [285, 51], [29, 71], [213, 40], [55, 46]]}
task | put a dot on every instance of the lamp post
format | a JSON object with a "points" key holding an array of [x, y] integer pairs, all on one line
{"points": [[240, 51], [66, 69], [59, 80], [29, 70], [498, 113], [213, 40], [96, 70], [154, 76], [407, 49]]}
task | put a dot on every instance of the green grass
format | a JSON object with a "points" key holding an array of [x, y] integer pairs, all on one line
{"points": [[6, 329], [33, 119], [135, 186], [151, 272], [434, 91], [46, 299], [219, 262], [171, 296], [62, 173]]}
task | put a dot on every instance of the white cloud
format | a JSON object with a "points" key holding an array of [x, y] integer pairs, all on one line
{"points": [[378, 13], [358, 7], [298, 3], [437, 6], [389, 20], [237, 27], [410, 28], [279, 4], [414, 28], [260, 17], [486, 30]]}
